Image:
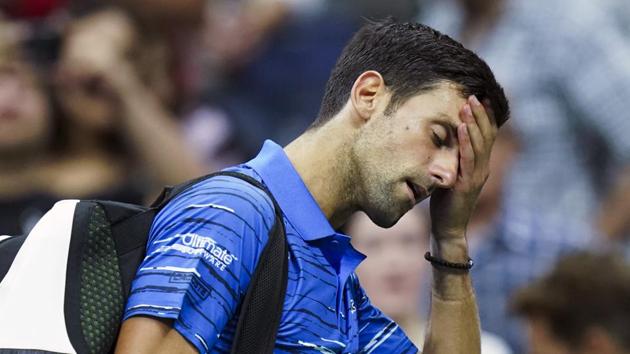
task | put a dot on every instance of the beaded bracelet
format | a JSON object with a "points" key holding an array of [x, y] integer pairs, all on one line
{"points": [[446, 264]]}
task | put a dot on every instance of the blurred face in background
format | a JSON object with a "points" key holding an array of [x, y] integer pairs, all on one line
{"points": [[596, 340], [392, 272], [24, 111], [542, 340]]}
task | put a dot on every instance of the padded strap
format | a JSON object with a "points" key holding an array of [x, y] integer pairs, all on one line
{"points": [[261, 309], [9, 247]]}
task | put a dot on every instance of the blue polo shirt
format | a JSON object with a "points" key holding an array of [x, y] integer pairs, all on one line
{"points": [[204, 247]]}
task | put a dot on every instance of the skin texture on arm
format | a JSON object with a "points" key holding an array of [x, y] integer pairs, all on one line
{"points": [[454, 322], [140, 335]]}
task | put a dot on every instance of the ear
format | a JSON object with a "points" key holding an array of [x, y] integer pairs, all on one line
{"points": [[367, 91]]}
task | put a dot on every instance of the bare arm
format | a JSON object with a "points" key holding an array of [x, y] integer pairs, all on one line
{"points": [[152, 130], [148, 335], [453, 325], [454, 320]]}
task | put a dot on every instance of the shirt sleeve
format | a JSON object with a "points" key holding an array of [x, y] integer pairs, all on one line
{"points": [[202, 251], [378, 333]]}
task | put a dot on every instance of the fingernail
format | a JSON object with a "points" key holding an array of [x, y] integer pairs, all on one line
{"points": [[474, 100]]}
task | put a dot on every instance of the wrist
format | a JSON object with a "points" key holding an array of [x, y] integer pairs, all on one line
{"points": [[452, 249]]}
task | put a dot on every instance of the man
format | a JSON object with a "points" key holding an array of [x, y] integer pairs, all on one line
{"points": [[401, 120], [580, 307]]}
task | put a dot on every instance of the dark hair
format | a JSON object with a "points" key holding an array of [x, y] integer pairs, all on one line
{"points": [[412, 58], [584, 290]]}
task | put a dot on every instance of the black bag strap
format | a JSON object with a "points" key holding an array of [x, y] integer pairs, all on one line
{"points": [[261, 309], [8, 251]]}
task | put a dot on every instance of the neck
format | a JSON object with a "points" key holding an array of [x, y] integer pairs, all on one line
{"points": [[320, 157]]}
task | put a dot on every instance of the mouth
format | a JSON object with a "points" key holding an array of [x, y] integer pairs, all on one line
{"points": [[417, 193]]}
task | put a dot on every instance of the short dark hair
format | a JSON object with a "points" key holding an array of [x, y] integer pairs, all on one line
{"points": [[583, 290], [412, 58]]}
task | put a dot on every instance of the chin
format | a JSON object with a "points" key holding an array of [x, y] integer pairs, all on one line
{"points": [[385, 207], [385, 219]]}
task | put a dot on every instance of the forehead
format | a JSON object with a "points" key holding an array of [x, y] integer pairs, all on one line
{"points": [[443, 102]]}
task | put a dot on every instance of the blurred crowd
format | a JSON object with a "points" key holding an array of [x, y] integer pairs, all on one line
{"points": [[113, 99]]}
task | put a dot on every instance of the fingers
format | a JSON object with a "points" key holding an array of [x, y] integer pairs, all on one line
{"points": [[466, 153], [482, 116], [474, 132], [476, 136]]}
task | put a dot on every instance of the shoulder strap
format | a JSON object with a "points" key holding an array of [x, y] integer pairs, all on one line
{"points": [[261, 309], [262, 306], [9, 247]]}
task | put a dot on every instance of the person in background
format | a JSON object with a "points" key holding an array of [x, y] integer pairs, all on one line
{"points": [[581, 307], [115, 95], [26, 135], [92, 129], [394, 272]]}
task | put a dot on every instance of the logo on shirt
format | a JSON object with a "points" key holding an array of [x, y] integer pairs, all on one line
{"points": [[204, 246]]}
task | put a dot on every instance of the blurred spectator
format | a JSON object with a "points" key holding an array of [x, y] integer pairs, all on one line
{"points": [[565, 65], [115, 93], [394, 272], [26, 130], [580, 307], [112, 134]]}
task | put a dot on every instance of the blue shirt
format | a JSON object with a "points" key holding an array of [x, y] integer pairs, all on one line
{"points": [[204, 247]]}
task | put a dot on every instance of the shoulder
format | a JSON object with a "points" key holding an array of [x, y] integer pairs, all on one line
{"points": [[223, 199]]}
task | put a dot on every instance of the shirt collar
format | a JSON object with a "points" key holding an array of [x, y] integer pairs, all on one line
{"points": [[294, 198]]}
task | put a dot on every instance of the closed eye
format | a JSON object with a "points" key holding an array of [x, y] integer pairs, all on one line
{"points": [[439, 142]]}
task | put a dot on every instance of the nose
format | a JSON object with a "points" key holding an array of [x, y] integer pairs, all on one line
{"points": [[443, 169]]}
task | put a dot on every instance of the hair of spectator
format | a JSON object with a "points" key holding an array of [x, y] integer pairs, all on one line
{"points": [[412, 58], [583, 291]]}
